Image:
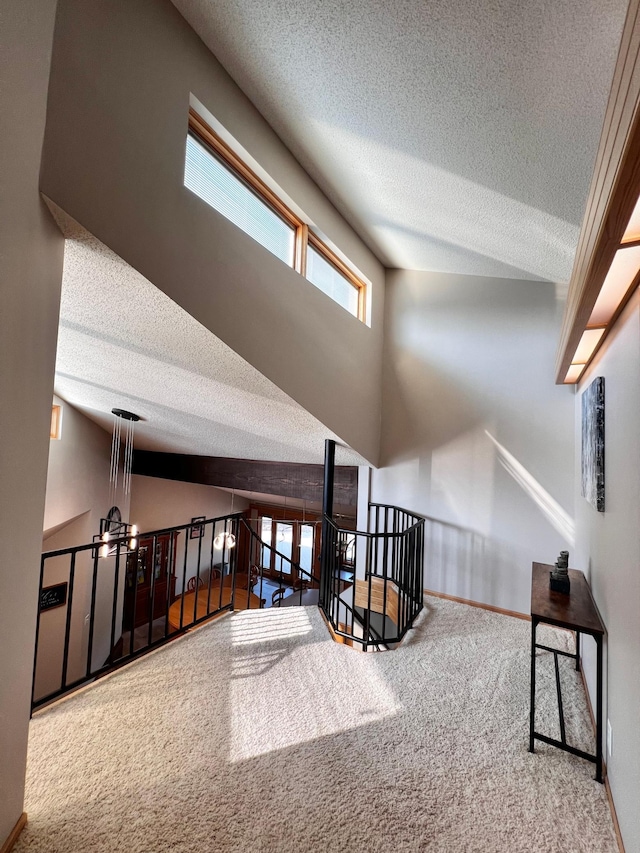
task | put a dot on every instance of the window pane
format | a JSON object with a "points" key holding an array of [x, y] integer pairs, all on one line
{"points": [[284, 543], [215, 183], [265, 535], [325, 276], [306, 549]]}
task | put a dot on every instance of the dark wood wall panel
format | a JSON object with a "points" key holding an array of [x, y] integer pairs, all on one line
{"points": [[286, 479]]}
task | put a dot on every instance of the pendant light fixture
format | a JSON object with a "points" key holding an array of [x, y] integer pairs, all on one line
{"points": [[225, 539], [112, 527], [130, 420]]}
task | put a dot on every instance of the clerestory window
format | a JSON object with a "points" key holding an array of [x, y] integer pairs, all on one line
{"points": [[218, 176]]}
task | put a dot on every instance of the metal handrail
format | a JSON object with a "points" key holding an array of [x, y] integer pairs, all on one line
{"points": [[367, 533], [391, 556], [391, 559]]}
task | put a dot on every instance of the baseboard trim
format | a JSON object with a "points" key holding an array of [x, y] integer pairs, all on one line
{"points": [[15, 832], [612, 805], [479, 604], [526, 617]]}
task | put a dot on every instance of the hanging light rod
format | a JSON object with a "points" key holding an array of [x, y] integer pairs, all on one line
{"points": [[120, 415], [123, 413]]}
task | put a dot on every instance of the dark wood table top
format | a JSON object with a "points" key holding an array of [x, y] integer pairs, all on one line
{"points": [[576, 611]]}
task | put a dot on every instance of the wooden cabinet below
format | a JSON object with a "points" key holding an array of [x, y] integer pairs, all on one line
{"points": [[148, 574]]}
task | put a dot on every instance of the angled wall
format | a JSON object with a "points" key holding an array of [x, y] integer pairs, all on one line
{"points": [[77, 477], [122, 77], [31, 251], [475, 434]]}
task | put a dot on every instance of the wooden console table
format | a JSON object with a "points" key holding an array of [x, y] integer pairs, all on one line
{"points": [[575, 612]]}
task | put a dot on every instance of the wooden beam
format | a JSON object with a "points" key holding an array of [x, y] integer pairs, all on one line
{"points": [[615, 188], [286, 479]]}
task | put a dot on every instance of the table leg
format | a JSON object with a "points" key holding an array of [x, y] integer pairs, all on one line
{"points": [[532, 710], [599, 644], [577, 651]]}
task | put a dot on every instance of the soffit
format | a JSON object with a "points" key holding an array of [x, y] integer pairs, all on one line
{"points": [[122, 343], [456, 137]]}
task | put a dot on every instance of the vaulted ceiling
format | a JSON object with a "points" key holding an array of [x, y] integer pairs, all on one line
{"points": [[454, 136]]}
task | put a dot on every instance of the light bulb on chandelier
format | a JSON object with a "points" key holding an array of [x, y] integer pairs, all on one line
{"points": [[224, 540]]}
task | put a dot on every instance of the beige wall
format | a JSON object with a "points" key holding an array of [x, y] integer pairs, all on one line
{"points": [[30, 276], [475, 433], [121, 81], [77, 498], [77, 476], [608, 551], [157, 504]]}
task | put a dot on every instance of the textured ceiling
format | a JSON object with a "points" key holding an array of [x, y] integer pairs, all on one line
{"points": [[124, 344], [454, 136]]}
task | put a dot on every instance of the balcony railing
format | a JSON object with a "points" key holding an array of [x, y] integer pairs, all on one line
{"points": [[104, 603], [371, 582]]}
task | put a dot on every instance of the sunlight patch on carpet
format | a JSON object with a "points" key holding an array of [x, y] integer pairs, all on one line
{"points": [[270, 675], [260, 626]]}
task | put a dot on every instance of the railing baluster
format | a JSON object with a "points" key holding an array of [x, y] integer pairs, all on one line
{"points": [[367, 618], [170, 574], [133, 609], [354, 587], [152, 591], [114, 609], [67, 634], [35, 651], [195, 603], [184, 579], [92, 612], [232, 566], [222, 569], [213, 532]]}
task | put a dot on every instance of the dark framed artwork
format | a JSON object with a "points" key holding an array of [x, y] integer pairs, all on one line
{"points": [[593, 444], [197, 530], [53, 596]]}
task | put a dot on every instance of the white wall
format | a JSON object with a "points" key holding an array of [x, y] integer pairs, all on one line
{"points": [[30, 275], [475, 433], [122, 76], [608, 551], [157, 504]]}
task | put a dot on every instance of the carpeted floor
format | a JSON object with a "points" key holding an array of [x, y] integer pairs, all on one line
{"points": [[258, 733]]}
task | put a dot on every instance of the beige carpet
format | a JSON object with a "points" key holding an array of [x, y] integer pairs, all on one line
{"points": [[258, 733]]}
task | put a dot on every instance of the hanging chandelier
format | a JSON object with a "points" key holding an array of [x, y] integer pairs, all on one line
{"points": [[130, 420], [112, 527]]}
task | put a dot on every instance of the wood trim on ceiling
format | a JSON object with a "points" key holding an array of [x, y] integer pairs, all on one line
{"points": [[285, 479], [614, 190]]}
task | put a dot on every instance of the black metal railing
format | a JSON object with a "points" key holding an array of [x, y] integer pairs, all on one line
{"points": [[278, 579], [104, 603], [371, 582], [118, 599]]}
